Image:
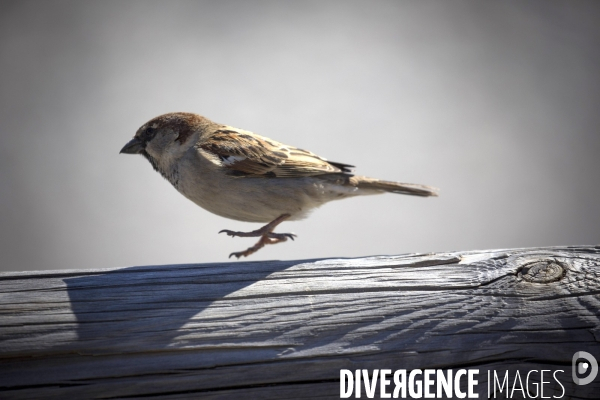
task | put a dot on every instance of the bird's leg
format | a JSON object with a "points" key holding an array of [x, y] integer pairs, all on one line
{"points": [[266, 234]]}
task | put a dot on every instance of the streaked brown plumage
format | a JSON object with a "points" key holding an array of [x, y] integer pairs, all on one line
{"points": [[244, 176]]}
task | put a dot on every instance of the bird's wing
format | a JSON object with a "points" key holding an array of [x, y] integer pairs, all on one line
{"points": [[249, 154]]}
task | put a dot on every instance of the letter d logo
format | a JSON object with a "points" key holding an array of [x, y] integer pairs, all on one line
{"points": [[583, 367]]}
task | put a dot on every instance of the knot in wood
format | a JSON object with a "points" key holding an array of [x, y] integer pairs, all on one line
{"points": [[544, 271]]}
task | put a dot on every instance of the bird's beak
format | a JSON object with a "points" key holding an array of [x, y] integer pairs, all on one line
{"points": [[134, 146]]}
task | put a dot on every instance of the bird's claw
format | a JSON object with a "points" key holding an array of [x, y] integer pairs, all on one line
{"points": [[238, 254]]}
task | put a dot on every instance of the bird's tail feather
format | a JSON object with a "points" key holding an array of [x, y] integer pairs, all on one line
{"points": [[362, 182]]}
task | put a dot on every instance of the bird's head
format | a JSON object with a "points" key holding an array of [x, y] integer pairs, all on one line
{"points": [[167, 137]]}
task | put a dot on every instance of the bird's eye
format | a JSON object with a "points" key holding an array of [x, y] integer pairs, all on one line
{"points": [[149, 132]]}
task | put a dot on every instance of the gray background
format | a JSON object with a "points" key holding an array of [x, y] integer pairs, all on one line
{"points": [[496, 103]]}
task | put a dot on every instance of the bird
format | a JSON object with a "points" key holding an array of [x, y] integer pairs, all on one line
{"points": [[243, 176]]}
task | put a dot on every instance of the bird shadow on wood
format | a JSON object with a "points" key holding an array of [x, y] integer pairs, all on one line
{"points": [[146, 308]]}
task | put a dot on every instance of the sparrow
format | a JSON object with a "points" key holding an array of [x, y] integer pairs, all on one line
{"points": [[240, 175]]}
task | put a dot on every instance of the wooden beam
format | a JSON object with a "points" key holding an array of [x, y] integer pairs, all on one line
{"points": [[284, 329]]}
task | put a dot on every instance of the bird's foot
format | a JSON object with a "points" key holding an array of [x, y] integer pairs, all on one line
{"points": [[266, 234], [241, 234], [282, 236], [267, 229], [269, 238], [257, 233]]}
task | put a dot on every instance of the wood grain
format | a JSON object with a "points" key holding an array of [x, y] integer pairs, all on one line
{"points": [[284, 329]]}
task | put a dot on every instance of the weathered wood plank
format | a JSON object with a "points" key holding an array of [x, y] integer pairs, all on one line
{"points": [[285, 329]]}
